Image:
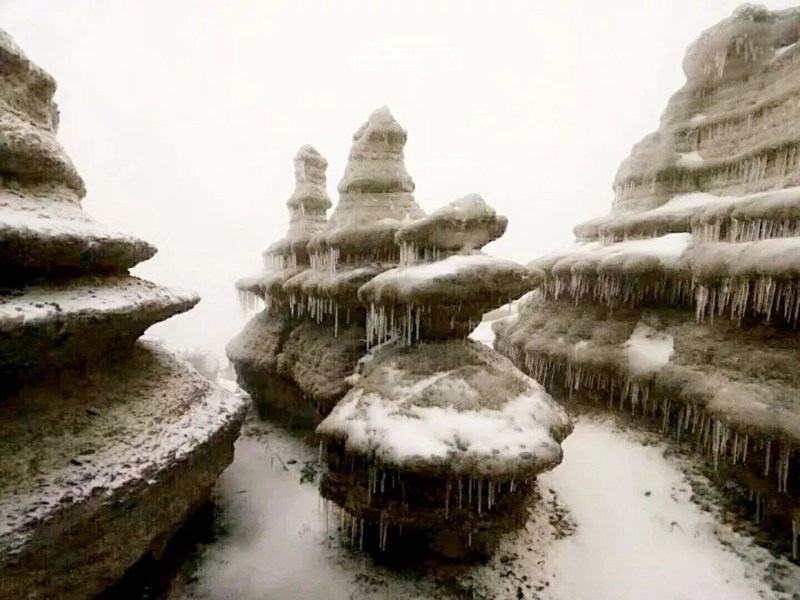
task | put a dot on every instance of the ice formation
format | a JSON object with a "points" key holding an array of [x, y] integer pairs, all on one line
{"points": [[682, 304], [103, 437]]}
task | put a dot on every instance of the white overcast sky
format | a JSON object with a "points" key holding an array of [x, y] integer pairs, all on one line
{"points": [[183, 115]]}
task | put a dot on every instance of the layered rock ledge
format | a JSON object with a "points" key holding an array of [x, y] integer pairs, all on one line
{"points": [[682, 304], [107, 444]]}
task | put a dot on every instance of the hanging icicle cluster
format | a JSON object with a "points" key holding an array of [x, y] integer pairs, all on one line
{"points": [[713, 437], [762, 296], [278, 262], [751, 230], [387, 488], [384, 325], [249, 301], [325, 261], [411, 254], [615, 289]]}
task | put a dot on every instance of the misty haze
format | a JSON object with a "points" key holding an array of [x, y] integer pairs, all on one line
{"points": [[481, 300]]}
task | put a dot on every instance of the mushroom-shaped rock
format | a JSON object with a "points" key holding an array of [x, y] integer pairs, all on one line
{"points": [[463, 437], [443, 299], [294, 357], [464, 225], [740, 45]]}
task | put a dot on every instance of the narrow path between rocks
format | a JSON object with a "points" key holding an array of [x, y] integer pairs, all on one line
{"points": [[634, 531], [615, 521]]}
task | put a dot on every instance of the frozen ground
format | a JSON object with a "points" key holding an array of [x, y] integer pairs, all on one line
{"points": [[615, 521]]}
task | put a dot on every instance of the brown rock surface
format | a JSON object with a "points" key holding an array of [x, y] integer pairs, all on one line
{"points": [[106, 444], [682, 304]]}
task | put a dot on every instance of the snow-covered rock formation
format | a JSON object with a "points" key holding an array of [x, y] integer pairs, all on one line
{"points": [[287, 363], [682, 304], [439, 441], [428, 434], [106, 443], [296, 355]]}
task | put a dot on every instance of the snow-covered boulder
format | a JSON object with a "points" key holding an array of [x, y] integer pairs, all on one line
{"points": [[440, 441]]}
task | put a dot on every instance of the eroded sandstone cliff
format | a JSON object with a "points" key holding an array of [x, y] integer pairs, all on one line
{"points": [[682, 304], [107, 443]]}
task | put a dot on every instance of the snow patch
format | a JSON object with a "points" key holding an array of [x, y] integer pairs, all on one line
{"points": [[398, 431], [39, 304], [690, 160], [450, 266], [648, 350], [484, 333], [779, 52], [689, 202], [652, 541], [698, 118], [667, 248]]}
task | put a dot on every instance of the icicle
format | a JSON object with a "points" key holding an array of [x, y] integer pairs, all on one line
{"points": [[327, 536], [447, 501], [783, 468], [767, 459], [715, 442], [460, 492], [758, 508]]}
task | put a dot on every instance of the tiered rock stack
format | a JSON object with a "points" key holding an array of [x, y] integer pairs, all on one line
{"points": [[289, 256], [297, 354], [439, 441], [106, 443], [432, 439], [282, 369], [683, 303]]}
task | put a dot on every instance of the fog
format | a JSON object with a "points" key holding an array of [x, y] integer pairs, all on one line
{"points": [[183, 116]]}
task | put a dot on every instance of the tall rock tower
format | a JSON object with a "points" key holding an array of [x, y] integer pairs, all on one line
{"points": [[683, 304], [106, 443], [296, 356]]}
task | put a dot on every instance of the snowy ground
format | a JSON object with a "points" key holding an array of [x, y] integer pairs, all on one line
{"points": [[615, 521], [483, 333]]}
